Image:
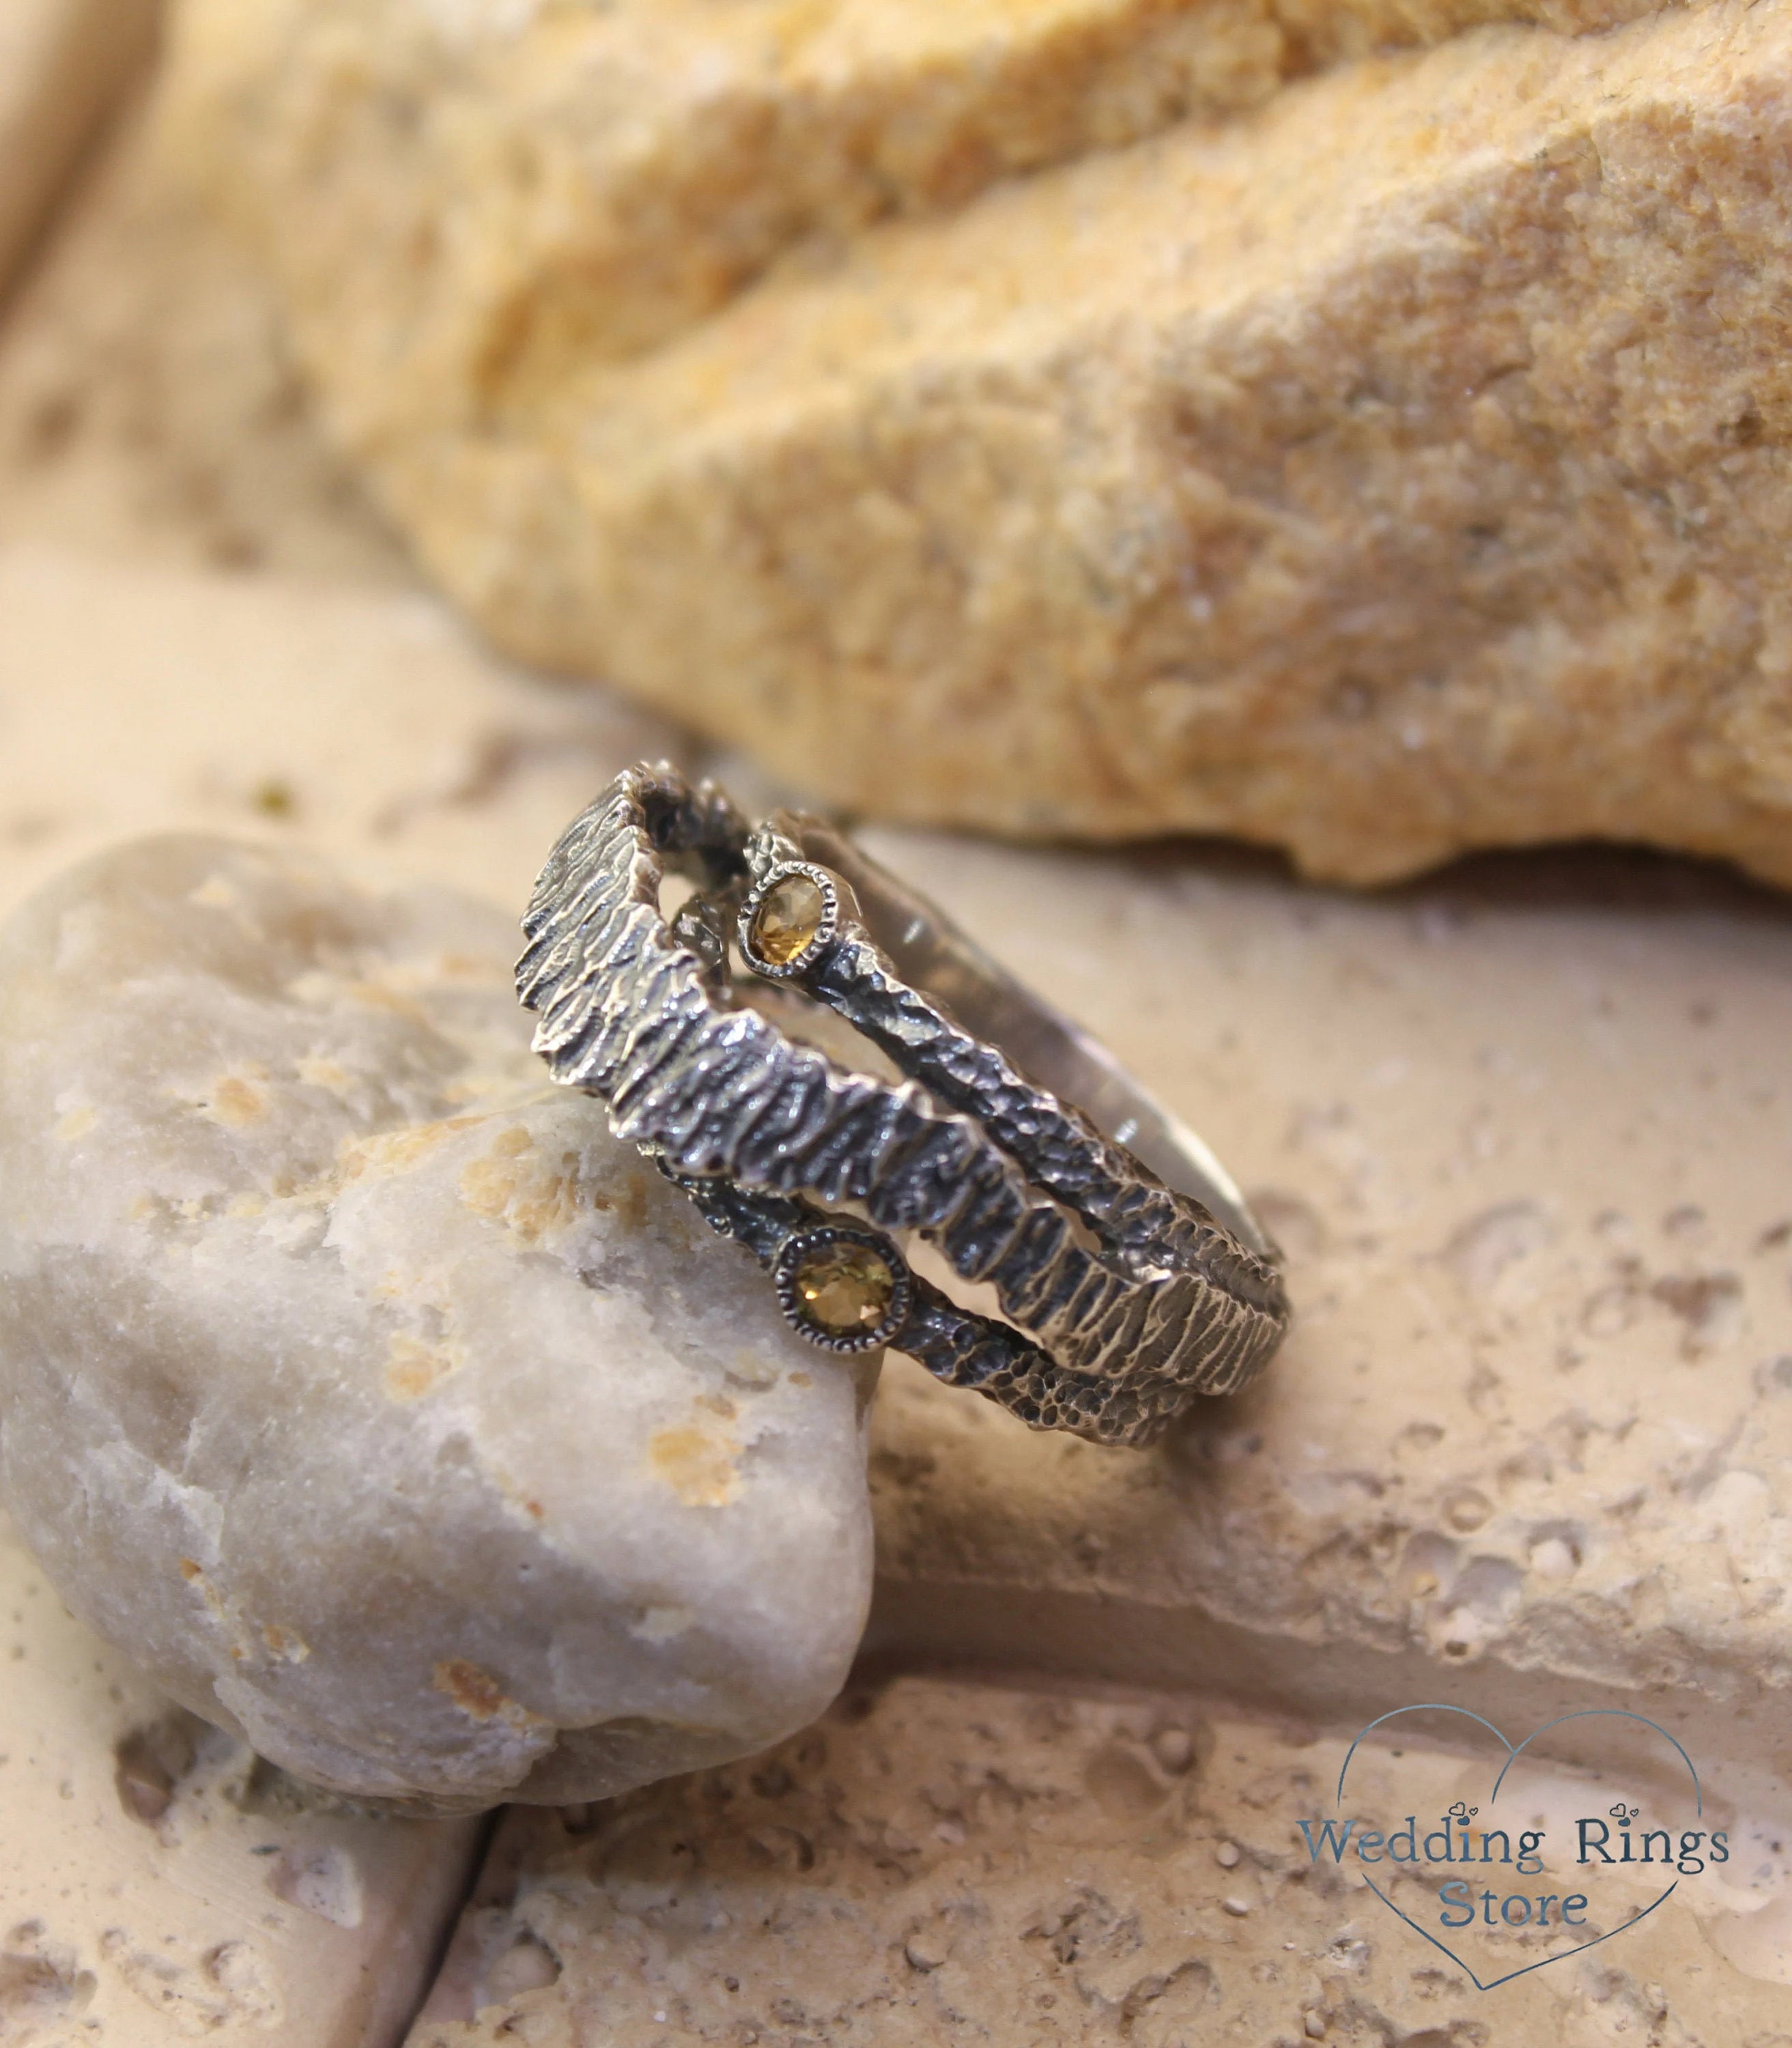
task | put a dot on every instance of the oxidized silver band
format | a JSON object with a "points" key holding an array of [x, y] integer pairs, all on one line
{"points": [[1130, 1274]]}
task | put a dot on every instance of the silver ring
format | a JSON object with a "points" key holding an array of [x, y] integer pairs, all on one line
{"points": [[1130, 1273]]}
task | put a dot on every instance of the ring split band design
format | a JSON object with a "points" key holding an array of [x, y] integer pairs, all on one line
{"points": [[1129, 1273]]}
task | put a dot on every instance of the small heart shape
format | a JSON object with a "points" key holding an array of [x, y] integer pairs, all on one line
{"points": [[1513, 1751]]}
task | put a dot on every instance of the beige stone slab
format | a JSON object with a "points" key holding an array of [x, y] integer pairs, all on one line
{"points": [[946, 1862], [134, 699], [1527, 1134], [62, 63], [157, 1884], [148, 408]]}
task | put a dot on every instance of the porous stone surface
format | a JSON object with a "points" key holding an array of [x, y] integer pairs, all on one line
{"points": [[1523, 1133], [161, 1884], [358, 1385], [1394, 468], [618, 172], [936, 1862], [62, 63]]}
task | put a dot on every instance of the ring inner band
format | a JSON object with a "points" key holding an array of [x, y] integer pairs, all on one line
{"points": [[931, 953]]}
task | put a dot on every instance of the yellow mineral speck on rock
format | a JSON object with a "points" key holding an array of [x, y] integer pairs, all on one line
{"points": [[413, 1368], [697, 1464], [478, 1694]]}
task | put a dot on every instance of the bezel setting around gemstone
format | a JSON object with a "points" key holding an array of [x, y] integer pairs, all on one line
{"points": [[806, 1245], [824, 933]]}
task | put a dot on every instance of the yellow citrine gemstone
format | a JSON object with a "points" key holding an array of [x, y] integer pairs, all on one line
{"points": [[845, 1288], [790, 916]]}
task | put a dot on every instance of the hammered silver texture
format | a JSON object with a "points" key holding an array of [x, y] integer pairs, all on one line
{"points": [[1122, 1299]]}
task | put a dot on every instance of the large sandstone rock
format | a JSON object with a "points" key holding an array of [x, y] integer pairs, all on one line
{"points": [[616, 172], [357, 1383], [1392, 468]]}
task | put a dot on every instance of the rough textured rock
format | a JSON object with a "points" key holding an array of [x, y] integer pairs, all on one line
{"points": [[161, 1885], [1395, 468], [950, 1862], [62, 63], [615, 172], [358, 1385], [1524, 1133]]}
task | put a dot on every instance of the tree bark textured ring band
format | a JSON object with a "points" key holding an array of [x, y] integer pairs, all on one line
{"points": [[1131, 1275]]}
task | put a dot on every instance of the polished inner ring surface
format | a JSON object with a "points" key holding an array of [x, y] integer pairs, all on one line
{"points": [[931, 952], [1123, 1294]]}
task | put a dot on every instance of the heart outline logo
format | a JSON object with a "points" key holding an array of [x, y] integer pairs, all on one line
{"points": [[1513, 1751]]}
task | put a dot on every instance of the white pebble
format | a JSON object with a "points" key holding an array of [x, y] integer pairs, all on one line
{"points": [[360, 1385]]}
